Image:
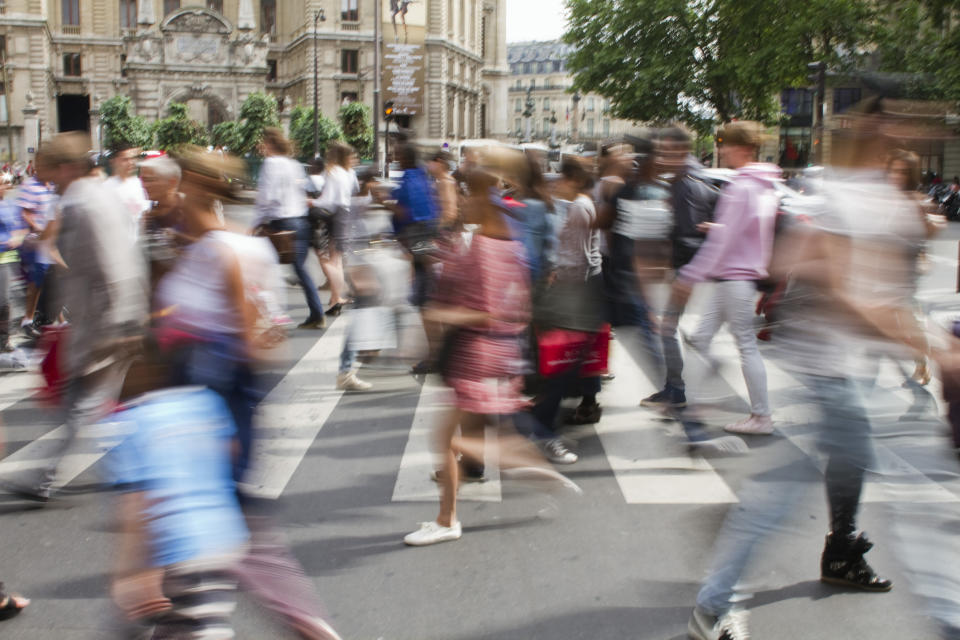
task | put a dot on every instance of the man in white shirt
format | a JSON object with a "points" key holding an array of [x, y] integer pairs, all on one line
{"points": [[127, 186]]}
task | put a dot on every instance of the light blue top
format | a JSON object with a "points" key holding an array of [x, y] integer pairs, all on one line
{"points": [[178, 453]]}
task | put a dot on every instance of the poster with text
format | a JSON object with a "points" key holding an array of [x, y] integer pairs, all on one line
{"points": [[404, 30]]}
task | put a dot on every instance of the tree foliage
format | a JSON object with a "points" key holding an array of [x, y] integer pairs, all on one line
{"points": [[301, 131], [699, 61], [226, 135], [920, 38], [177, 129], [120, 127], [356, 121], [257, 112]]}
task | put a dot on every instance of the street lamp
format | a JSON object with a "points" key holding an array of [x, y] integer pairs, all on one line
{"points": [[318, 16], [528, 112], [575, 129]]}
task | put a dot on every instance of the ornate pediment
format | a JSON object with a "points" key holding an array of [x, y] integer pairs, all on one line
{"points": [[196, 21]]}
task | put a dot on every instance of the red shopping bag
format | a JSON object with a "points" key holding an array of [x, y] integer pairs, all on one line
{"points": [[562, 349]]}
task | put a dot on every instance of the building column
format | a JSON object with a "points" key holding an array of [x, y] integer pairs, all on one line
{"points": [[31, 128]]}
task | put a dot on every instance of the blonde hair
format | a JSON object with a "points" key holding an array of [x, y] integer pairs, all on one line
{"points": [[274, 137]]}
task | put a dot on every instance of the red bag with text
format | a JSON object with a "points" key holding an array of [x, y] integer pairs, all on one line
{"points": [[562, 349]]}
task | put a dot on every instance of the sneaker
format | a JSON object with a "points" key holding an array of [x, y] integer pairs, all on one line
{"points": [[730, 626], [313, 323], [557, 452], [752, 425], [464, 478], [26, 492], [432, 533], [669, 398], [350, 382], [842, 564]]}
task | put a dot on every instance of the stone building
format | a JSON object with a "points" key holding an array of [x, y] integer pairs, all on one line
{"points": [[538, 70], [65, 57]]}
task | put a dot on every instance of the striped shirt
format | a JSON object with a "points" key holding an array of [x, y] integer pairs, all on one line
{"points": [[35, 197]]}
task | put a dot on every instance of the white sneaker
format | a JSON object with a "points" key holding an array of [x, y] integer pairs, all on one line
{"points": [[730, 626], [432, 533], [350, 382], [752, 425]]}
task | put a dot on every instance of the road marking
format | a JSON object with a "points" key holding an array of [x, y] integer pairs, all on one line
{"points": [[17, 386], [413, 480], [648, 467], [292, 415], [895, 479]]}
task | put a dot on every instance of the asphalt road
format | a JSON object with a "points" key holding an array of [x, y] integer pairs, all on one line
{"points": [[622, 561]]}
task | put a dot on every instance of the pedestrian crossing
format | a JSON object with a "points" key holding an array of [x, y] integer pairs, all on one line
{"points": [[646, 454]]}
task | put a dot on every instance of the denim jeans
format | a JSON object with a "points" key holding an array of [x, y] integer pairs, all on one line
{"points": [[6, 276], [767, 498], [733, 302], [301, 249], [672, 356]]}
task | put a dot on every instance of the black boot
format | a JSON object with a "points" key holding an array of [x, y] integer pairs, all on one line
{"points": [[842, 564]]}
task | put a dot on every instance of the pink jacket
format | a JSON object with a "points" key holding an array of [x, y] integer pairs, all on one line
{"points": [[739, 248]]}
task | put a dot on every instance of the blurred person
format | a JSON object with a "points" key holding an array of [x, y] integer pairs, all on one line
{"points": [[736, 255], [445, 187], [163, 232], [339, 185], [415, 218], [126, 186], [692, 199], [36, 202], [572, 301], [903, 171], [360, 276], [849, 300], [104, 290], [639, 220], [215, 312], [182, 533], [484, 299], [615, 167], [537, 217], [281, 205], [12, 233]]}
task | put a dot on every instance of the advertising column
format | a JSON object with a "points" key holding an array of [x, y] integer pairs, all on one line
{"points": [[404, 30]]}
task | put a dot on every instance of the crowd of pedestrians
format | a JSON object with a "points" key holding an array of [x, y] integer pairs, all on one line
{"points": [[155, 308]]}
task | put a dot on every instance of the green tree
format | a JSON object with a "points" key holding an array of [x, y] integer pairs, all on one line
{"points": [[121, 127], [226, 134], [177, 129], [701, 61], [301, 131], [356, 121], [257, 112]]}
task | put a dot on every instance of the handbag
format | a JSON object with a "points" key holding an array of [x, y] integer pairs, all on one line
{"points": [[560, 350], [284, 242]]}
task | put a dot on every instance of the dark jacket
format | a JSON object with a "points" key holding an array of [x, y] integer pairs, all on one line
{"points": [[693, 197]]}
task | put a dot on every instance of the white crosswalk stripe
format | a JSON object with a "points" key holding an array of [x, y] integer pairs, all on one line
{"points": [[648, 467], [413, 480]]}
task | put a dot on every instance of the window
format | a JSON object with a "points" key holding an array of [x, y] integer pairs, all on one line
{"points": [[349, 60], [606, 128], [843, 99], [533, 83], [546, 104], [268, 16], [591, 104], [349, 12], [797, 102], [348, 97], [546, 125], [518, 124], [590, 127], [71, 64], [483, 36], [271, 70], [169, 6], [128, 14], [123, 65], [215, 5], [71, 12], [556, 65], [517, 105]]}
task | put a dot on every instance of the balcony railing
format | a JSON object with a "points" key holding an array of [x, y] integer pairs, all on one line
{"points": [[71, 29], [350, 26]]}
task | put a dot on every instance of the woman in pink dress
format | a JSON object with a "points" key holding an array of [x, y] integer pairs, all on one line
{"points": [[484, 300]]}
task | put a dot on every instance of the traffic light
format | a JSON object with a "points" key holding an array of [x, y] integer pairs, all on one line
{"points": [[388, 110]]}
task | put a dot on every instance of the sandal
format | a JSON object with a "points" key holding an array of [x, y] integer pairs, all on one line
{"points": [[10, 608]]}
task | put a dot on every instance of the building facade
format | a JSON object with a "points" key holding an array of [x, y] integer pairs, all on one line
{"points": [[65, 57], [538, 73]]}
